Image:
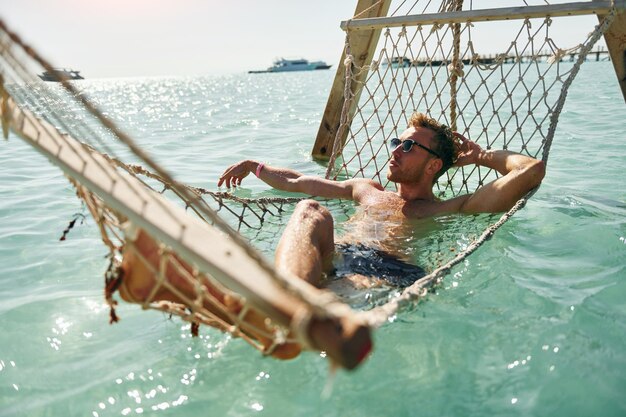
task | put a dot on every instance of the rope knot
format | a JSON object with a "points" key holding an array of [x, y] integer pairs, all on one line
{"points": [[348, 61], [557, 56], [456, 70], [436, 27]]}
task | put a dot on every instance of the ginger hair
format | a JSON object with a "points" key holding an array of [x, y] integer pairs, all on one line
{"points": [[444, 142]]}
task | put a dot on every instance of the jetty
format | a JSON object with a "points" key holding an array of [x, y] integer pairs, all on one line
{"points": [[600, 54]]}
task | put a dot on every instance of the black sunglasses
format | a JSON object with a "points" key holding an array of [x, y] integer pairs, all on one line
{"points": [[407, 145]]}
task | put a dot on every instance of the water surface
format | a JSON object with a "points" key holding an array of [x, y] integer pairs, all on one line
{"points": [[533, 323]]}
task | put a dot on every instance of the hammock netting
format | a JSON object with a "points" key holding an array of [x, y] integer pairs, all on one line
{"points": [[429, 59]]}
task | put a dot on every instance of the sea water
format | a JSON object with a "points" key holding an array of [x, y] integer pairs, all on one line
{"points": [[533, 323]]}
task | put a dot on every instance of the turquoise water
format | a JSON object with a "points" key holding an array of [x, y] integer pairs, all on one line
{"points": [[532, 324]]}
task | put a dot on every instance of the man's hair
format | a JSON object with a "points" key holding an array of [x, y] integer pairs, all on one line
{"points": [[445, 144]]}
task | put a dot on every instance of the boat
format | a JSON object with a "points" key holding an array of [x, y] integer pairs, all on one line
{"points": [[399, 62], [58, 74], [289, 65]]}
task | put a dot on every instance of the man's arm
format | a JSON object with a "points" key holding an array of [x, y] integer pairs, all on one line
{"points": [[286, 179], [520, 174]]}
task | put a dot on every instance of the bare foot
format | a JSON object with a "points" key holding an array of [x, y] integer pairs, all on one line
{"points": [[346, 342]]}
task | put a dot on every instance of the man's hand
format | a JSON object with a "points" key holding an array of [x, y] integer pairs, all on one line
{"points": [[469, 152], [518, 175], [234, 174]]}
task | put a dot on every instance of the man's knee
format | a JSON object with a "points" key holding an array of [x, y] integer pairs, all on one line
{"points": [[311, 210]]}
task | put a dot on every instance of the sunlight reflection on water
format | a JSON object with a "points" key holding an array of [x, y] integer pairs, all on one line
{"points": [[531, 324]]}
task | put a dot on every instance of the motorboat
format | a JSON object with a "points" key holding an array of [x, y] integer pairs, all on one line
{"points": [[289, 65], [59, 74]]}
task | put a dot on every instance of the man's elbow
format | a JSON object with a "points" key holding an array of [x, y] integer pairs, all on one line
{"points": [[295, 185], [535, 171]]}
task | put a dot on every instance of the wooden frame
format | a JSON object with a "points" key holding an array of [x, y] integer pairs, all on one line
{"points": [[615, 38], [484, 15]]}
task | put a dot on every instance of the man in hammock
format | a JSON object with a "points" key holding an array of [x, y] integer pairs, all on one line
{"points": [[421, 155]]}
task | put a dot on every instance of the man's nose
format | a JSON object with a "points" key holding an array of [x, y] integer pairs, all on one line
{"points": [[397, 150]]}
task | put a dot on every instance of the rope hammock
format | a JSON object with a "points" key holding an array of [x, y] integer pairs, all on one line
{"points": [[508, 101]]}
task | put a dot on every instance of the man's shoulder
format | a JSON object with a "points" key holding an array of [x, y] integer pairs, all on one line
{"points": [[362, 188], [366, 183], [452, 205]]}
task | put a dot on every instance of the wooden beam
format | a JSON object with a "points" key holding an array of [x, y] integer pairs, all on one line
{"points": [[499, 14], [615, 38], [362, 48]]}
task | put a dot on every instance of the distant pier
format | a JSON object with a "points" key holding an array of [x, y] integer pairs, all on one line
{"points": [[599, 54]]}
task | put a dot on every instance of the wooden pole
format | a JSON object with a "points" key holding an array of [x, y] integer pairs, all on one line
{"points": [[615, 38], [362, 48]]}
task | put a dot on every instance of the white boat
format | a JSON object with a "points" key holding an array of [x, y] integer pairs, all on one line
{"points": [[288, 65], [59, 74]]}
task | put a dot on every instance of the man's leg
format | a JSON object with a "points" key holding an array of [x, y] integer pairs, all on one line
{"points": [[305, 250], [307, 244]]}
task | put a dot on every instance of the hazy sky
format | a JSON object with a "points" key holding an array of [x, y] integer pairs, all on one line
{"points": [[110, 38], [119, 38]]}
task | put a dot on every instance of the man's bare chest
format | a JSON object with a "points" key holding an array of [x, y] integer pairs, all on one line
{"points": [[388, 203]]}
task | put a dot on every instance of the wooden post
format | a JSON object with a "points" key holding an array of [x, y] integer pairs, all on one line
{"points": [[615, 38], [362, 46]]}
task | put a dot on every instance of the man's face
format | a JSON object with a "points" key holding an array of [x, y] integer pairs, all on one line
{"points": [[409, 167]]}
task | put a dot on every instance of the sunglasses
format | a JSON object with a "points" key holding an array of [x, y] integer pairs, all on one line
{"points": [[407, 145]]}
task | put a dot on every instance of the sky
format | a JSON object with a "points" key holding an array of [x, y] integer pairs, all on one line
{"points": [[128, 38], [119, 38]]}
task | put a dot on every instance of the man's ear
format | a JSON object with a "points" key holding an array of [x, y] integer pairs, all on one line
{"points": [[434, 166]]}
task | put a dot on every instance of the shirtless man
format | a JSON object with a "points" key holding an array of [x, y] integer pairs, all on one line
{"points": [[422, 153]]}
